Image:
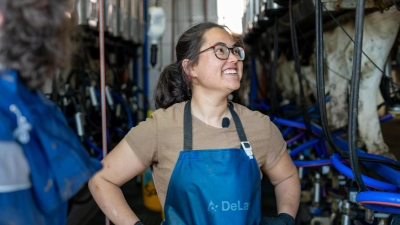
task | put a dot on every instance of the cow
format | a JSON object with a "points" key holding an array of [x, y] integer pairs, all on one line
{"points": [[380, 31]]}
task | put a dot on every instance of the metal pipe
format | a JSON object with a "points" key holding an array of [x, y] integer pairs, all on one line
{"points": [[205, 11], [103, 84], [345, 210], [145, 55], [173, 31]]}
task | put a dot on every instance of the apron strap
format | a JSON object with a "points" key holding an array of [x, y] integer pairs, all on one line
{"points": [[187, 128], [238, 123]]}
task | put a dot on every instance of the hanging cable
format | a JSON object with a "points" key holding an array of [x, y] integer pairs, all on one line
{"points": [[397, 6], [338, 23], [355, 83], [319, 57], [298, 71], [272, 86], [347, 34]]}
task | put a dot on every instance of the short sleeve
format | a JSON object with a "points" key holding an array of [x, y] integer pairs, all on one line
{"points": [[276, 146], [143, 141]]}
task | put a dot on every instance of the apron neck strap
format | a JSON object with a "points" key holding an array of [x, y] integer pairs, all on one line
{"points": [[187, 126]]}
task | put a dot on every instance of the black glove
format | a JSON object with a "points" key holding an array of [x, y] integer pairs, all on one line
{"points": [[138, 223], [281, 219]]}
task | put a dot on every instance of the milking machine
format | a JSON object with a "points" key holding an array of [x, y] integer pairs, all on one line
{"points": [[78, 89], [341, 184], [156, 30]]}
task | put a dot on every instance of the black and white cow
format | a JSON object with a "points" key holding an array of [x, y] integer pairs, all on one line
{"points": [[380, 32]]}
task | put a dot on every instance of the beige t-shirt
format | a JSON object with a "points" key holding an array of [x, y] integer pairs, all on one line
{"points": [[159, 140]]}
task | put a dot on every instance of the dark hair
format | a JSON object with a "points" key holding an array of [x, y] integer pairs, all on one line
{"points": [[173, 85], [35, 38]]}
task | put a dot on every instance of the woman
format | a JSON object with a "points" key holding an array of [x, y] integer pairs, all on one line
{"points": [[216, 178], [42, 162]]}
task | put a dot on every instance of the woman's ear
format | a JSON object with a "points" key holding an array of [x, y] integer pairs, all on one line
{"points": [[188, 67]]}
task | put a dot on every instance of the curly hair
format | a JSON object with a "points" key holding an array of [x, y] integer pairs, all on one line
{"points": [[35, 38], [174, 86]]}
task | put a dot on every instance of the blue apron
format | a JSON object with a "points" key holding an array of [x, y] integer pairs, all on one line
{"points": [[214, 186]]}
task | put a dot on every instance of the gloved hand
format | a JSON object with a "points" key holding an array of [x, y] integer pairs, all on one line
{"points": [[281, 219], [138, 223]]}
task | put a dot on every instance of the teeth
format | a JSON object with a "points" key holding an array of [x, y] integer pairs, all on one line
{"points": [[229, 71]]}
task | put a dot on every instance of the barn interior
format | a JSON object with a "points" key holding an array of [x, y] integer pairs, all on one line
{"points": [[326, 72]]}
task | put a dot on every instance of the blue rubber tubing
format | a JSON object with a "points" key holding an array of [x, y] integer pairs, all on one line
{"points": [[380, 201], [303, 146], [377, 184], [312, 163]]}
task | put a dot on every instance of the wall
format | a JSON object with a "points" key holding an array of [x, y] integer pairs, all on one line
{"points": [[183, 15]]}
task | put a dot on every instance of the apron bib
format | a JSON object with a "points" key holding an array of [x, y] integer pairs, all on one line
{"points": [[214, 186]]}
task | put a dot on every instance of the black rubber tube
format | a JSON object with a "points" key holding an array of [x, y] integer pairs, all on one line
{"points": [[319, 57], [272, 86], [295, 50], [355, 84]]}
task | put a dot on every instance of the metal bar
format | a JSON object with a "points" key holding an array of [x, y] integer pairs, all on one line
{"points": [[102, 83], [145, 56]]}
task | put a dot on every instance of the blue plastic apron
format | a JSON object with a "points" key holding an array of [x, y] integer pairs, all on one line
{"points": [[214, 186]]}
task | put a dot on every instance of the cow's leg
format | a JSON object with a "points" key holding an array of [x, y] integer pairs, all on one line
{"points": [[380, 31], [338, 74], [338, 89], [368, 121]]}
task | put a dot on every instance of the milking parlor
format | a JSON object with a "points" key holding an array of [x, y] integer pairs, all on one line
{"points": [[199, 112]]}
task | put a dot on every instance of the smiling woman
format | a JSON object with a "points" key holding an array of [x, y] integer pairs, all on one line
{"points": [[206, 171]]}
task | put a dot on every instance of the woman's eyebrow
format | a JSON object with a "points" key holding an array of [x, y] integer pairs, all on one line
{"points": [[222, 43]]}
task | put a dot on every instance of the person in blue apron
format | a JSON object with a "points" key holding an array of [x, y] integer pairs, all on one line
{"points": [[207, 154], [42, 162]]}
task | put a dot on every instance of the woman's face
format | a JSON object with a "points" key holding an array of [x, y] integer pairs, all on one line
{"points": [[214, 74]]}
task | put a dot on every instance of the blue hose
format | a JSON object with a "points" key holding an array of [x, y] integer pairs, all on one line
{"points": [[303, 146], [312, 163], [380, 201], [377, 184]]}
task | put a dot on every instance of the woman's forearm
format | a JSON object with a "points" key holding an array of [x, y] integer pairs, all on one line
{"points": [[288, 195], [111, 201]]}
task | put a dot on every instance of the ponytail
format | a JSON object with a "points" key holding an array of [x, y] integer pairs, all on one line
{"points": [[172, 87]]}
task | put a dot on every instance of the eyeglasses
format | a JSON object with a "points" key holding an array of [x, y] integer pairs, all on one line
{"points": [[222, 51]]}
